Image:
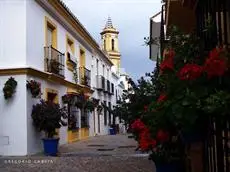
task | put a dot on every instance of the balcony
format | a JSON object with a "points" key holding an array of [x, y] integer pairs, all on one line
{"points": [[54, 61], [85, 76], [100, 83]]}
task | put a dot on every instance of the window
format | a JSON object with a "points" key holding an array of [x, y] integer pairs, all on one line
{"points": [[82, 58], [49, 36], [103, 70], [50, 33], [113, 44], [70, 45], [110, 114], [104, 45], [107, 73], [70, 50], [105, 114], [97, 66], [51, 95]]}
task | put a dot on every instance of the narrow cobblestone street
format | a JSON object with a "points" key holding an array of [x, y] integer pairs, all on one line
{"points": [[96, 154]]}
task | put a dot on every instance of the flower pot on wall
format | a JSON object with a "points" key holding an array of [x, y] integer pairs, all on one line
{"points": [[50, 146]]}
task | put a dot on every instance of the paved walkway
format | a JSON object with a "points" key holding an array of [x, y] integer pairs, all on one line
{"points": [[96, 154]]}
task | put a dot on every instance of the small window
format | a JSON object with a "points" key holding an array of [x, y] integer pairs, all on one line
{"points": [[110, 120], [103, 70], [82, 58], [51, 33], [104, 45], [113, 44], [97, 66], [70, 46]]}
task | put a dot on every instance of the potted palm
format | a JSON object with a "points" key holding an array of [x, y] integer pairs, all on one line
{"points": [[47, 117]]}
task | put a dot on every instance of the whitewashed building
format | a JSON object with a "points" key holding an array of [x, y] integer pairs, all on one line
{"points": [[33, 35]]}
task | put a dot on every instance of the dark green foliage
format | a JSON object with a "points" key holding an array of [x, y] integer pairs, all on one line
{"points": [[9, 88], [34, 87], [48, 116]]}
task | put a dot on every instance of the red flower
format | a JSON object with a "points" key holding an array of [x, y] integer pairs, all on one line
{"points": [[162, 98], [145, 141], [144, 144], [170, 54], [138, 125], [190, 72], [162, 136], [215, 65], [215, 53], [167, 63]]}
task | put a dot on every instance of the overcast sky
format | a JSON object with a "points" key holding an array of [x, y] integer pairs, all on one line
{"points": [[131, 18]]}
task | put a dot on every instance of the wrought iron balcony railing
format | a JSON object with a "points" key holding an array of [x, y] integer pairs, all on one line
{"points": [[54, 61], [100, 83], [213, 23], [85, 76]]}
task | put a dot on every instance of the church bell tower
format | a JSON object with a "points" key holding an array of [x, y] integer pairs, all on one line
{"points": [[109, 37]]}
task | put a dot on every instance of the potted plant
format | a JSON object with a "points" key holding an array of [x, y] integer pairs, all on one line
{"points": [[55, 66], [164, 148], [47, 117], [9, 88], [34, 87]]}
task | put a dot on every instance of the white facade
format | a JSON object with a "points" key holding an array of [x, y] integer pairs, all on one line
{"points": [[23, 38], [155, 28]]}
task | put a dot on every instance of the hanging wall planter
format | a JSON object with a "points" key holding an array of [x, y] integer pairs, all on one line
{"points": [[34, 87], [9, 88]]}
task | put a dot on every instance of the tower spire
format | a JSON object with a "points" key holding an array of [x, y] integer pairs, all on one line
{"points": [[109, 23]]}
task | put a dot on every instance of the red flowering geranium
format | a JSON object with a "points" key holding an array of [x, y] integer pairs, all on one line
{"points": [[145, 140], [146, 143], [144, 137], [215, 65], [137, 125], [162, 98], [190, 72], [167, 63]]}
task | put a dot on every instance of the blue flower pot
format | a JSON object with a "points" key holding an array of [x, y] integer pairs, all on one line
{"points": [[172, 167], [50, 146], [112, 131]]}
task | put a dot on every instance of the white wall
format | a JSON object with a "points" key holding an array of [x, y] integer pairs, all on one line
{"points": [[12, 34], [13, 126]]}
